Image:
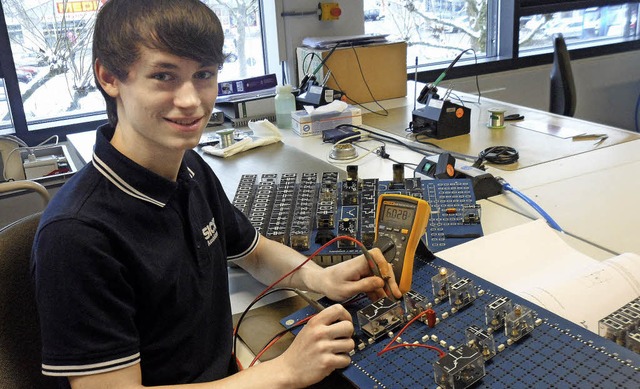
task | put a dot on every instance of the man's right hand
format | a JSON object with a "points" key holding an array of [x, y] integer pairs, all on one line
{"points": [[321, 347]]}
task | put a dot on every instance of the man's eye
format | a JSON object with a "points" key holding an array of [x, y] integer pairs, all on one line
{"points": [[162, 77], [204, 75]]}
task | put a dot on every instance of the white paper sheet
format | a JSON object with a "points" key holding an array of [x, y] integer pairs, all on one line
{"points": [[532, 261]]}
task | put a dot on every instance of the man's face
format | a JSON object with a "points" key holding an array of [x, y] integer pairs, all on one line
{"points": [[165, 103]]}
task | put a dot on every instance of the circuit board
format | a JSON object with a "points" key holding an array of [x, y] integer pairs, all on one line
{"points": [[306, 210], [550, 352]]}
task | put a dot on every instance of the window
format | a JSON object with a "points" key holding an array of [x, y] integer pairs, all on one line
{"points": [[504, 34], [51, 42], [592, 26], [435, 31]]}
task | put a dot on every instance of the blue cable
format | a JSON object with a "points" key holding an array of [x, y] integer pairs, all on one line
{"points": [[552, 223], [637, 113]]}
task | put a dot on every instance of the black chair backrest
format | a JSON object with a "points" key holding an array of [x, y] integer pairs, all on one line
{"points": [[563, 91], [20, 345]]}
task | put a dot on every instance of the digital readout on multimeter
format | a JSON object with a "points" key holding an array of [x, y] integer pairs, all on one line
{"points": [[398, 214]]}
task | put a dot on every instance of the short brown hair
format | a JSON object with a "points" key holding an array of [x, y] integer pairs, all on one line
{"points": [[185, 28]]}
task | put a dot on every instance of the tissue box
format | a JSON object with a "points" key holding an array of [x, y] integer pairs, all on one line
{"points": [[306, 125]]}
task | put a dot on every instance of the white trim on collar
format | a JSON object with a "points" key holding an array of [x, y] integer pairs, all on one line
{"points": [[122, 184]]}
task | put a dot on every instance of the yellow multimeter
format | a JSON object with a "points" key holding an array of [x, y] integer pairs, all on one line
{"points": [[400, 223]]}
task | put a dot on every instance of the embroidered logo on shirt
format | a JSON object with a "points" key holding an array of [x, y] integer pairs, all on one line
{"points": [[210, 232]]}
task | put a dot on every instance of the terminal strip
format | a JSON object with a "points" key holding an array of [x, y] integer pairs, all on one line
{"points": [[368, 204], [301, 222], [621, 326], [281, 210], [243, 198], [263, 201]]}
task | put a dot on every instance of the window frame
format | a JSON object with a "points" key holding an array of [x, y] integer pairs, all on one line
{"points": [[508, 54], [14, 98]]}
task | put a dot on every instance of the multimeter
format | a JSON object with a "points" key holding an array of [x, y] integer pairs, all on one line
{"points": [[400, 223]]}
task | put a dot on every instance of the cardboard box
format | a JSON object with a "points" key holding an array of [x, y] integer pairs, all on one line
{"points": [[384, 70], [306, 125]]}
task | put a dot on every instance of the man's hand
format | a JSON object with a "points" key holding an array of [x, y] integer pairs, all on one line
{"points": [[321, 347], [344, 280]]}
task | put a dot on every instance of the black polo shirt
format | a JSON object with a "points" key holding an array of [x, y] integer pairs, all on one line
{"points": [[131, 267]]}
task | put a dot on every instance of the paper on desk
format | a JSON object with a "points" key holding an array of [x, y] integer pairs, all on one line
{"points": [[532, 261], [549, 129], [272, 132], [336, 106]]}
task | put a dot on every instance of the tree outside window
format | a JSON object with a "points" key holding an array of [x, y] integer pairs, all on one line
{"points": [[51, 44]]}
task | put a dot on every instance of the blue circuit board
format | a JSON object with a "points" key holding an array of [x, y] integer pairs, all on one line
{"points": [[306, 210], [556, 353]]}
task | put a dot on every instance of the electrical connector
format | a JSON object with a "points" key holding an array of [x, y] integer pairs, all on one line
{"points": [[383, 153], [329, 11]]}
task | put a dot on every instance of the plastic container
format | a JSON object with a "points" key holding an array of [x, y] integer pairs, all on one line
{"points": [[285, 104]]}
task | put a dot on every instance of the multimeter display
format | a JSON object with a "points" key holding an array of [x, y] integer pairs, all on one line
{"points": [[400, 223], [397, 214]]}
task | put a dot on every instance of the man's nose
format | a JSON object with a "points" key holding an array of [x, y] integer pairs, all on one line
{"points": [[187, 96]]}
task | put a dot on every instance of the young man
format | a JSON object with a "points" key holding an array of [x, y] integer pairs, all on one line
{"points": [[130, 259]]}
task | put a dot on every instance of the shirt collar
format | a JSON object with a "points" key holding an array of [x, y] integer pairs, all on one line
{"points": [[131, 178]]}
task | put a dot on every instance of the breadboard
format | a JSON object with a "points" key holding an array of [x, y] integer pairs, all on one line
{"points": [[556, 353]]}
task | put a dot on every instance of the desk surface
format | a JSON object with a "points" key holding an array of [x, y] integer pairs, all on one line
{"points": [[535, 147]]}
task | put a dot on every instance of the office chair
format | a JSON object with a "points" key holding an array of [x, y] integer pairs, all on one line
{"points": [[20, 344], [563, 91]]}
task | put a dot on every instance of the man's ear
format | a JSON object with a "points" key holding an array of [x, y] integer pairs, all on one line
{"points": [[108, 81]]}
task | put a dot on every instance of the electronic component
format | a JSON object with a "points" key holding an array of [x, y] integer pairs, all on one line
{"points": [[380, 317], [612, 329], [484, 184], [440, 283], [441, 119], [459, 369], [347, 227], [37, 167], [415, 303], [401, 222], [337, 134], [633, 341], [462, 293], [301, 221], [350, 192], [329, 11], [518, 322], [482, 341], [471, 214], [496, 311], [216, 118], [618, 325]]}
